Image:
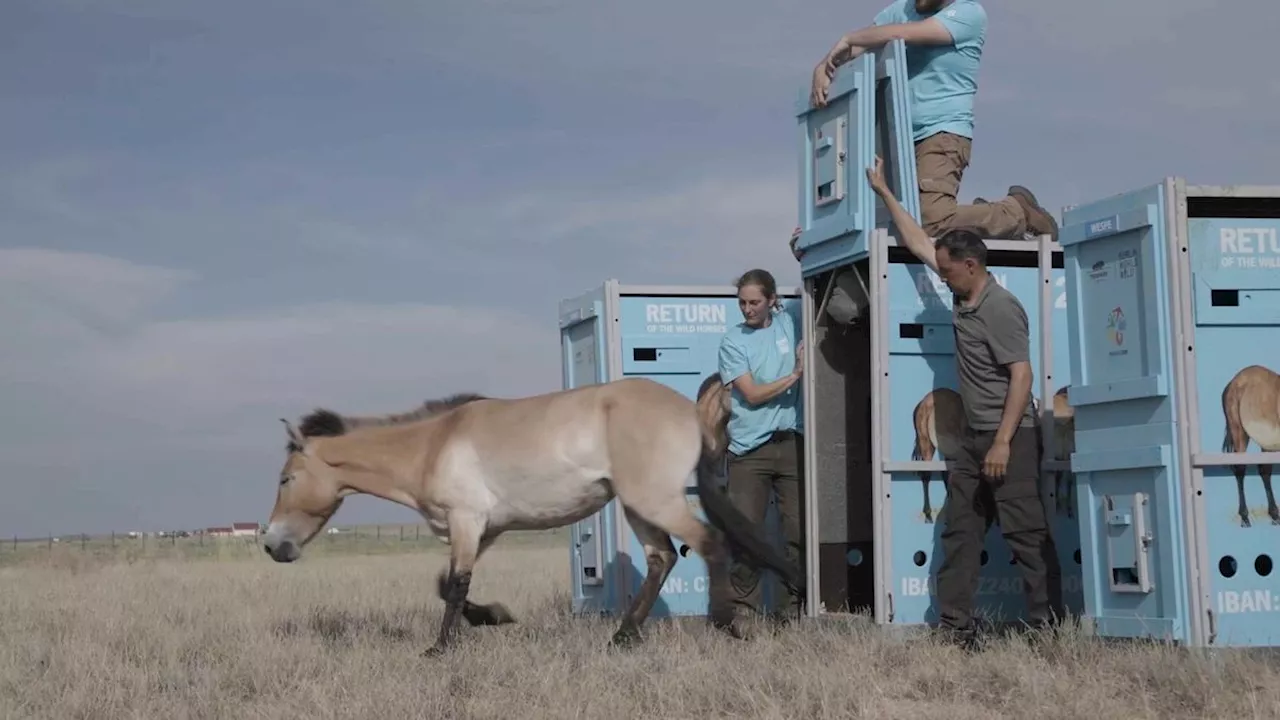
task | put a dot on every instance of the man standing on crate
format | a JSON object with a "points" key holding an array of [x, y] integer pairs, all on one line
{"points": [[944, 40], [997, 472]]}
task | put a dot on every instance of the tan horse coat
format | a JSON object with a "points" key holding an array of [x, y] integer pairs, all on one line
{"points": [[940, 425], [1251, 406], [477, 467]]}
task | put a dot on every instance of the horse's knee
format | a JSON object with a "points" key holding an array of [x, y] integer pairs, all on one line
{"points": [[663, 560]]}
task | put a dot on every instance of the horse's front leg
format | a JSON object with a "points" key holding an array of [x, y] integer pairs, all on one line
{"points": [[474, 613], [466, 531]]}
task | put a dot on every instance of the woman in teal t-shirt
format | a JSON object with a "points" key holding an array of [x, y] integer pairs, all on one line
{"points": [[760, 361]]}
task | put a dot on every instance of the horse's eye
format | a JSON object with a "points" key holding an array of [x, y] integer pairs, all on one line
{"points": [[285, 479]]}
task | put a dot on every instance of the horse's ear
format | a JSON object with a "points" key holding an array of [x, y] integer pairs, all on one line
{"points": [[295, 437]]}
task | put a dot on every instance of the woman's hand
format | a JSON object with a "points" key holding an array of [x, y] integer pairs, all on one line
{"points": [[795, 236]]}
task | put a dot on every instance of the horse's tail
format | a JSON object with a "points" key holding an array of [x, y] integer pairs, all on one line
{"points": [[713, 413], [743, 535]]}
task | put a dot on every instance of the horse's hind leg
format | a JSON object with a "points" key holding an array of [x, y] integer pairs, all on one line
{"points": [[660, 557], [466, 531], [677, 519], [474, 613], [1265, 472]]}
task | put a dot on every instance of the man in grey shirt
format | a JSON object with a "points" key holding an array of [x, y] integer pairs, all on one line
{"points": [[998, 471]]}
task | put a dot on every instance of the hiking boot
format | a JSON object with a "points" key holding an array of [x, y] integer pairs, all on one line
{"points": [[966, 639], [1039, 221], [779, 620], [739, 626]]}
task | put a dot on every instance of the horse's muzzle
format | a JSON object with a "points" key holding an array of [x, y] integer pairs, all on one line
{"points": [[285, 551]]}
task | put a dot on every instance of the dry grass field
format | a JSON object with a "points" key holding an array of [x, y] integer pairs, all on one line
{"points": [[338, 635]]}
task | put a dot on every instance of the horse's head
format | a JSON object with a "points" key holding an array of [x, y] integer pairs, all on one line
{"points": [[309, 493]]}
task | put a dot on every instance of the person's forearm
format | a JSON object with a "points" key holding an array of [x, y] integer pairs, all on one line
{"points": [[1015, 403], [761, 394], [912, 235], [856, 42], [842, 52]]}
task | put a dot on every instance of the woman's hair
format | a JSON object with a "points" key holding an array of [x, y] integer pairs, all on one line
{"points": [[762, 279]]}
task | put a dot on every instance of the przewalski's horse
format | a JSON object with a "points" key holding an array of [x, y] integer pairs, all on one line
{"points": [[476, 467], [1251, 404], [1064, 443], [940, 425]]}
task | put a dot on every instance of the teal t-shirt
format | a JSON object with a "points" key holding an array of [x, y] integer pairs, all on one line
{"points": [[943, 79], [768, 354]]}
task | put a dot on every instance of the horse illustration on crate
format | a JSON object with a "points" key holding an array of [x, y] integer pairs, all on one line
{"points": [[940, 426], [1064, 443], [1251, 406]]}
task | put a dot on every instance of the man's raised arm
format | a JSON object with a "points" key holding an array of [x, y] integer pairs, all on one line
{"points": [[913, 236]]}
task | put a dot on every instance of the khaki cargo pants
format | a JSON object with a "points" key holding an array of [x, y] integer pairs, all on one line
{"points": [[940, 163]]}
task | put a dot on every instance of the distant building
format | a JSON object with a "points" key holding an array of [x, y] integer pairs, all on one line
{"points": [[242, 529], [219, 531]]}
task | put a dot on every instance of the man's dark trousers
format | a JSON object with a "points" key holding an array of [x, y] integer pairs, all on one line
{"points": [[973, 502]]}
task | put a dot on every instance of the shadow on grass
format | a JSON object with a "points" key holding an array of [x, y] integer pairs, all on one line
{"points": [[342, 628]]}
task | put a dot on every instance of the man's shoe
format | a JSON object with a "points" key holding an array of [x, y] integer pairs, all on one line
{"points": [[966, 639], [1039, 221]]}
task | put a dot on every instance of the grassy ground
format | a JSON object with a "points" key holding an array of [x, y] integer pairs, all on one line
{"points": [[338, 635]]}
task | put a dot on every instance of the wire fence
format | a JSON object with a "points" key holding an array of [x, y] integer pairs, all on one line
{"points": [[358, 539]]}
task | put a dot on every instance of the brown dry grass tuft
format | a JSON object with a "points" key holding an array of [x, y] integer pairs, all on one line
{"points": [[340, 637]]}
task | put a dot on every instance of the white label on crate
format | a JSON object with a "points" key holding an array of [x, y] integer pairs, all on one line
{"points": [[1249, 247], [685, 318], [680, 586], [1247, 601], [918, 586]]}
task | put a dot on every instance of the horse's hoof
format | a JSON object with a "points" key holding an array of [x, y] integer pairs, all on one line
{"points": [[1244, 522], [485, 615], [625, 639], [500, 615]]}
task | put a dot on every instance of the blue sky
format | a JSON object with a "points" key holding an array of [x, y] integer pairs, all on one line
{"points": [[213, 215]]}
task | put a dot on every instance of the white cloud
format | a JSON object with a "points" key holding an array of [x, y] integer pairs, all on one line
{"points": [[180, 415], [700, 231]]}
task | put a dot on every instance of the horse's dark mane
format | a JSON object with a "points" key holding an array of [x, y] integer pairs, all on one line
{"points": [[323, 422]]}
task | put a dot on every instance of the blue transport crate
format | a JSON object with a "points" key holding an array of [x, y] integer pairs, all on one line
{"points": [[1175, 296], [881, 396], [919, 418], [867, 114], [836, 147], [670, 334], [875, 485]]}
